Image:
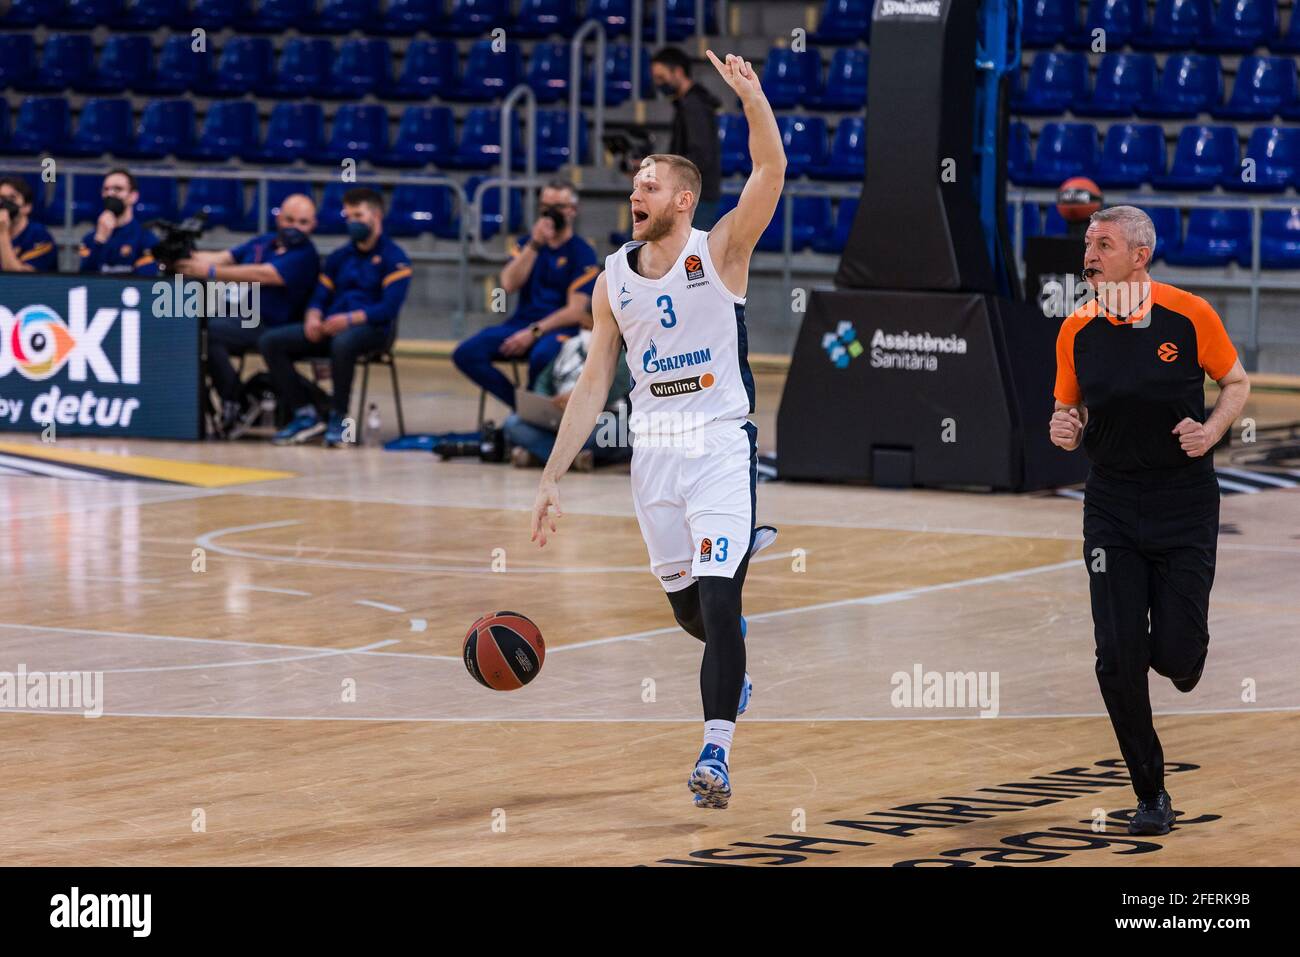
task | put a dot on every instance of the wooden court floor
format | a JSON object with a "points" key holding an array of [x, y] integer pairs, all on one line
{"points": [[282, 681]]}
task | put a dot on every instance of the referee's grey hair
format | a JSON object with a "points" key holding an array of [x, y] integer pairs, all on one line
{"points": [[1136, 225]]}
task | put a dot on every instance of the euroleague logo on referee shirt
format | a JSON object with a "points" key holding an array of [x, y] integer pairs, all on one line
{"points": [[1167, 352]]}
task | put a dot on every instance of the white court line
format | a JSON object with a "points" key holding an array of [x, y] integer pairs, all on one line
{"points": [[48, 469], [380, 605], [1238, 487], [249, 663], [1264, 477], [274, 591]]}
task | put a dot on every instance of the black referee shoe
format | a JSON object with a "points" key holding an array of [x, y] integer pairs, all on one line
{"points": [[1187, 684], [1152, 817]]}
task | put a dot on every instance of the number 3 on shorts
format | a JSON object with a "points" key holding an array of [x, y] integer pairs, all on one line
{"points": [[669, 319], [721, 550]]}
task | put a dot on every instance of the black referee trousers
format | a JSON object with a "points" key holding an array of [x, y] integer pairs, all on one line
{"points": [[1149, 542]]}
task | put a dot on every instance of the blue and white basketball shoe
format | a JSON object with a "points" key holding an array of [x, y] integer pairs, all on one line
{"points": [[710, 781]]}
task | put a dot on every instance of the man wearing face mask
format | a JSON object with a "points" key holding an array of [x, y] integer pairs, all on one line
{"points": [[695, 127], [553, 269], [119, 243], [25, 246], [352, 313], [284, 264]]}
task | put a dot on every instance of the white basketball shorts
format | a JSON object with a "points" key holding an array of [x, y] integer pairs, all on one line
{"points": [[695, 503]]}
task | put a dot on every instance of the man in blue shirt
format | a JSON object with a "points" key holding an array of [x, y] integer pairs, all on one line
{"points": [[119, 243], [25, 246], [554, 270], [284, 264], [352, 313]]}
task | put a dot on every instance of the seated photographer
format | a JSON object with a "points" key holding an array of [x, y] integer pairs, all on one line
{"points": [[119, 243], [530, 430], [284, 264], [554, 270], [25, 246], [352, 313]]}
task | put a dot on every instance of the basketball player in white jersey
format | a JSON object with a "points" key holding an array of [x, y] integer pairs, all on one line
{"points": [[676, 296]]}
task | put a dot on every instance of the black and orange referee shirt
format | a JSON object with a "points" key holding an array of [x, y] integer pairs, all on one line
{"points": [[1139, 379]]}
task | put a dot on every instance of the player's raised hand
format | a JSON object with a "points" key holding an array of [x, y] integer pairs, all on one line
{"points": [[739, 74], [1194, 437], [1066, 428], [548, 495]]}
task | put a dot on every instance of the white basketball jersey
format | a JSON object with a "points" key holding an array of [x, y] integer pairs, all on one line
{"points": [[686, 341]]}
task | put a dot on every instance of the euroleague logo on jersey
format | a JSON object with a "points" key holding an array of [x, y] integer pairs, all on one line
{"points": [[694, 268], [1167, 352]]}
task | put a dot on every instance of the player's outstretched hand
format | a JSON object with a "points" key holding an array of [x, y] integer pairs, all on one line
{"points": [[548, 495], [739, 74], [1066, 428]]}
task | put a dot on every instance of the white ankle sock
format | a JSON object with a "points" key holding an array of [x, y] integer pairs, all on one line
{"points": [[719, 733]]}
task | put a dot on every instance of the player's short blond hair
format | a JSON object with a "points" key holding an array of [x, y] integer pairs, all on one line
{"points": [[686, 175]]}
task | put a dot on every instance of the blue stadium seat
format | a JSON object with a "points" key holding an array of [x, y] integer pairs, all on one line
{"points": [[220, 200], [848, 155], [679, 20], [1202, 156], [245, 66], [30, 13], [614, 15], [344, 16], [789, 77], [1168, 222], [229, 129], [1190, 84], [4, 124], [490, 209], [1020, 158], [1064, 150], [1265, 86], [469, 18], [329, 215], [179, 67], [151, 14], [1048, 22], [218, 14], [1214, 237], [1279, 241], [1132, 154], [810, 217], [846, 82], [1053, 224], [1289, 42], [86, 14], [124, 63], [87, 203], [104, 126], [43, 125], [1031, 221], [158, 199], [276, 191], [1276, 154], [408, 17], [548, 72], [65, 61], [361, 67], [804, 140], [17, 59], [1056, 82], [1123, 81], [834, 240], [1177, 25], [480, 139], [618, 76], [360, 133], [553, 140], [1122, 20], [842, 21], [166, 128], [418, 208], [304, 68], [295, 131], [276, 16], [426, 134], [544, 18], [428, 70], [1242, 25], [733, 133], [489, 75]]}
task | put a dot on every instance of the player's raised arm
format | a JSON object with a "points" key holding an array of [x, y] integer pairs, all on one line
{"points": [[585, 405], [738, 231]]}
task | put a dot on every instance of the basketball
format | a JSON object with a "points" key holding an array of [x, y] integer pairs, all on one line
{"points": [[504, 651], [1077, 199]]}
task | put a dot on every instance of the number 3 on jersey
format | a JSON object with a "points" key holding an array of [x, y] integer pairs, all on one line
{"points": [[669, 318]]}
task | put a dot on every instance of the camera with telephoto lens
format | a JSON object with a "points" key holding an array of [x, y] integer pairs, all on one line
{"points": [[556, 217], [490, 446], [629, 147], [178, 239]]}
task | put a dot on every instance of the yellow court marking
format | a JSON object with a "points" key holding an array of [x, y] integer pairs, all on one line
{"points": [[200, 474]]}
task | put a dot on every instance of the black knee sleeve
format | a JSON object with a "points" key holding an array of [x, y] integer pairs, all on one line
{"points": [[686, 609]]}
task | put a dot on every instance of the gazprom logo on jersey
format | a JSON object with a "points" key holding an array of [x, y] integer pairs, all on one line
{"points": [[652, 362]]}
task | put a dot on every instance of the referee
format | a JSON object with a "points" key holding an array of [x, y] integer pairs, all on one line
{"points": [[1130, 385]]}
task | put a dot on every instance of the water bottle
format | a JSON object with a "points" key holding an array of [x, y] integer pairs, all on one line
{"points": [[373, 424]]}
